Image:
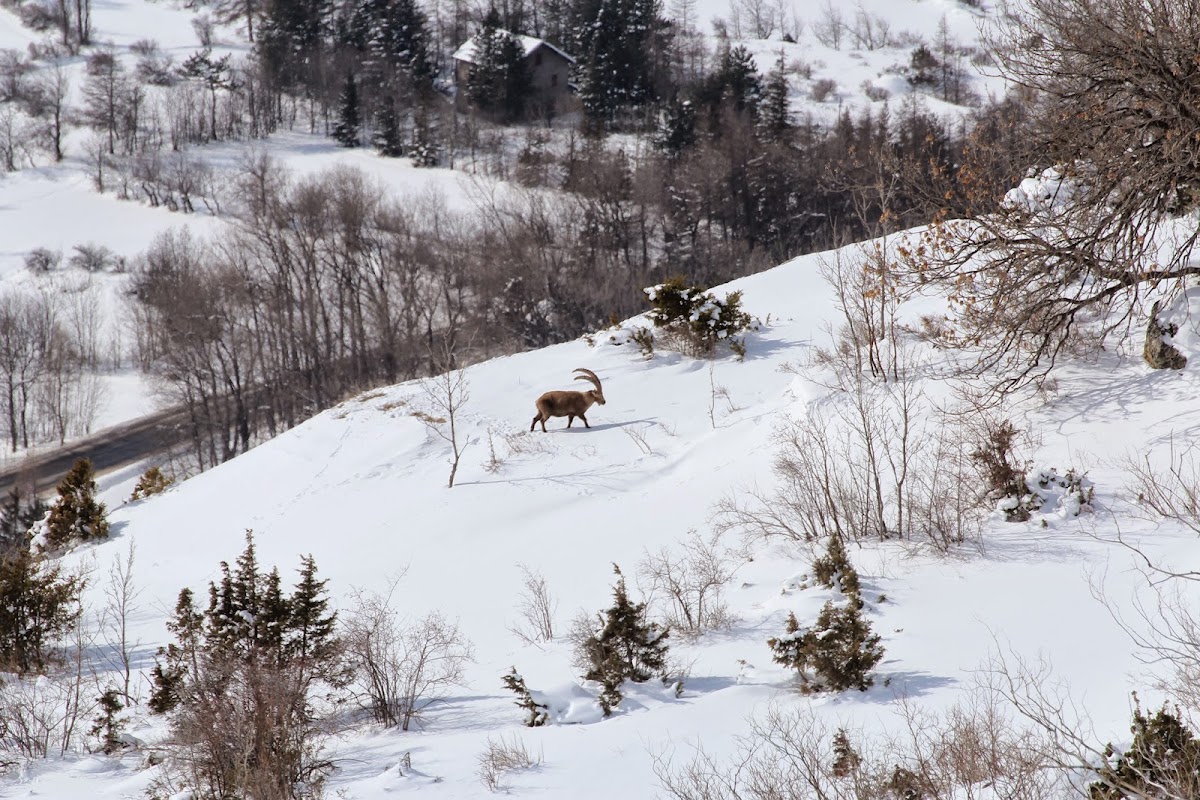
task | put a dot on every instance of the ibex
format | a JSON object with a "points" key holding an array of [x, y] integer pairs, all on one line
{"points": [[569, 404]]}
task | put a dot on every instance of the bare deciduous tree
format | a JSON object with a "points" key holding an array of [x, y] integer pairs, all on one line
{"points": [[447, 393], [121, 594], [1067, 263]]}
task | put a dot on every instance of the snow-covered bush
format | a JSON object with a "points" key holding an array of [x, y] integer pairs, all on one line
{"points": [[1018, 494], [839, 650], [694, 321], [1162, 761], [837, 653], [1003, 475]]}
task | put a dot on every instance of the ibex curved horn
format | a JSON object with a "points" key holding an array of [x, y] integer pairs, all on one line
{"points": [[588, 375], [569, 404]]}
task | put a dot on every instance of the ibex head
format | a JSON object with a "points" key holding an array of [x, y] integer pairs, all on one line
{"points": [[590, 376], [569, 404]]}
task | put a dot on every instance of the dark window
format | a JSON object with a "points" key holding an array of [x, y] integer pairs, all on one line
{"points": [[554, 79], [537, 59]]}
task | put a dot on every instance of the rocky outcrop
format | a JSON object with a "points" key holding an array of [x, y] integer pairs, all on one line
{"points": [[1158, 353]]}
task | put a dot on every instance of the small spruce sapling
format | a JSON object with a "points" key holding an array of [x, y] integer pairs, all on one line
{"points": [[627, 647], [537, 713], [845, 759], [108, 726]]}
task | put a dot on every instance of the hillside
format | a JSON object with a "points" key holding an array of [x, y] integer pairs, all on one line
{"points": [[813, 431], [362, 488]]}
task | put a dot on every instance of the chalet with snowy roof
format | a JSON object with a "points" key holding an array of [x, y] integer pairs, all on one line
{"points": [[549, 69]]}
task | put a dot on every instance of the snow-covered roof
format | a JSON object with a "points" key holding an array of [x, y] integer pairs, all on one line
{"points": [[467, 51]]}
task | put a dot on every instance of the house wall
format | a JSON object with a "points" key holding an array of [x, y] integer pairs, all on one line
{"points": [[549, 73]]}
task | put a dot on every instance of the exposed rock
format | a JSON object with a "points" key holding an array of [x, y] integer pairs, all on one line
{"points": [[1158, 353]]}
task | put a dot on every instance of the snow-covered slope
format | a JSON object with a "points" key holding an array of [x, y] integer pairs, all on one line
{"points": [[362, 488]]}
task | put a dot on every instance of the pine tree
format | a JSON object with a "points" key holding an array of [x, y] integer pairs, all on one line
{"points": [[76, 516], [627, 647], [743, 85], [346, 130], [396, 37], [38, 604], [387, 138], [677, 127], [249, 621], [271, 618], [834, 570], [499, 82], [178, 663], [614, 46], [312, 627], [537, 713], [214, 74], [292, 40], [424, 151], [252, 662], [773, 121]]}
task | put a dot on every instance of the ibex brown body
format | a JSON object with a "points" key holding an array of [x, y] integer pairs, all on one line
{"points": [[569, 404]]}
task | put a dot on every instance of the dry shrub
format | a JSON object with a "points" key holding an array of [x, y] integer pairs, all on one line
{"points": [[685, 584], [1171, 491], [501, 757], [402, 667], [971, 750], [536, 606]]}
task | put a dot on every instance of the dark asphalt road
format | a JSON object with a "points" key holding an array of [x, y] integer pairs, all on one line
{"points": [[108, 449]]}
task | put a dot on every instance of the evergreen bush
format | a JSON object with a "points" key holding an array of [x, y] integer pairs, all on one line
{"points": [[76, 516], [695, 320], [627, 647], [839, 650], [1162, 761], [837, 653], [152, 482], [536, 713], [39, 604]]}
